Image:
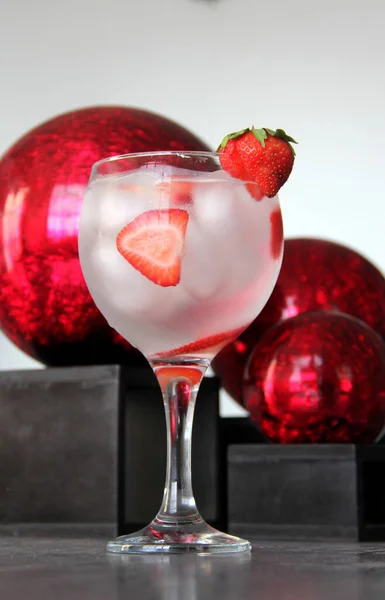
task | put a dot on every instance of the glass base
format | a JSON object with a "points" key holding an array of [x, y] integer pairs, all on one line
{"points": [[165, 539]]}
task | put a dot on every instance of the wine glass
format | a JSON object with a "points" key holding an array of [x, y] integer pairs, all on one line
{"points": [[179, 257]]}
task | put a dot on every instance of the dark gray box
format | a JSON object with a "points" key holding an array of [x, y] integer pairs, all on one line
{"points": [[85, 447], [307, 491]]}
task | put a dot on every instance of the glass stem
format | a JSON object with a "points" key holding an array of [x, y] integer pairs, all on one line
{"points": [[179, 396]]}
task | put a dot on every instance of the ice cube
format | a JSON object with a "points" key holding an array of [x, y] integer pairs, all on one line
{"points": [[121, 292], [213, 201], [117, 201], [233, 229], [89, 222], [169, 171], [202, 271], [104, 266]]}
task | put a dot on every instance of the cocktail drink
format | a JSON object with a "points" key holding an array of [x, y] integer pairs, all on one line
{"points": [[180, 257]]}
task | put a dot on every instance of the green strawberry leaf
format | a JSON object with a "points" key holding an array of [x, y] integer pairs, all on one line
{"points": [[231, 136], [283, 135], [261, 135]]}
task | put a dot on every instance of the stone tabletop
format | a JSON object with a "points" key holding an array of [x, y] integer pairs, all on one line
{"points": [[60, 568]]}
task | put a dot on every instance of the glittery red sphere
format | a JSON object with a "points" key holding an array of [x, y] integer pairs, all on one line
{"points": [[315, 274], [45, 307], [318, 377]]}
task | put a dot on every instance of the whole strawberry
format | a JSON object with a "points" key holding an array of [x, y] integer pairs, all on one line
{"points": [[261, 155]]}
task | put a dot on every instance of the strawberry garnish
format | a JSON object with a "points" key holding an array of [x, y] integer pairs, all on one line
{"points": [[212, 343], [233, 164], [261, 155], [230, 159], [153, 244]]}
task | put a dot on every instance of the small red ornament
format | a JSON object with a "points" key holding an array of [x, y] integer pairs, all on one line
{"points": [[318, 377], [45, 307], [315, 275]]}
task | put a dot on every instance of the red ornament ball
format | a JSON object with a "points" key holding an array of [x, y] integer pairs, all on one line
{"points": [[318, 377], [45, 306], [315, 275]]}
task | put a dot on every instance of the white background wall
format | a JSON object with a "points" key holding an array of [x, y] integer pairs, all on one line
{"points": [[316, 69]]}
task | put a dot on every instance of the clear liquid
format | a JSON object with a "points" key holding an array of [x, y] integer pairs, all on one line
{"points": [[228, 269]]}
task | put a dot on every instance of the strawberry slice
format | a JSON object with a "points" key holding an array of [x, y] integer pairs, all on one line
{"points": [[213, 343], [276, 227], [255, 191], [153, 244], [167, 374]]}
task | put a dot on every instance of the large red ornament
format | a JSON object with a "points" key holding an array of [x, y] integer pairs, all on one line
{"points": [[45, 307], [319, 377], [315, 274]]}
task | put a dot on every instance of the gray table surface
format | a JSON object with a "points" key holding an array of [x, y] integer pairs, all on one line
{"points": [[63, 568]]}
